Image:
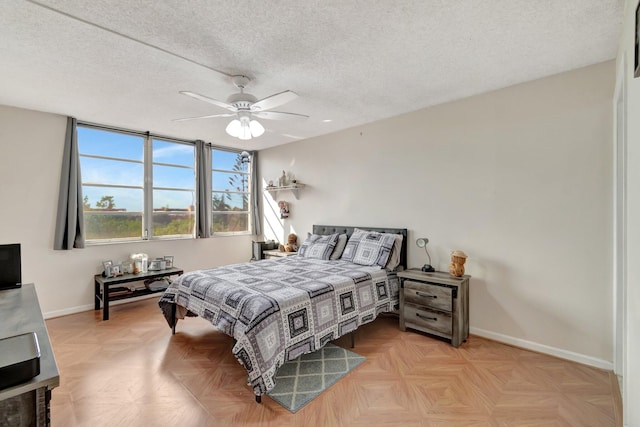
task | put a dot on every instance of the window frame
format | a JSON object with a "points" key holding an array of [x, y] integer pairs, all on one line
{"points": [[249, 176], [149, 194], [148, 186], [146, 230]]}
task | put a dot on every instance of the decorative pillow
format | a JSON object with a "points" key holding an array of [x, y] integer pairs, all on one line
{"points": [[342, 242], [368, 248], [318, 247], [394, 258]]}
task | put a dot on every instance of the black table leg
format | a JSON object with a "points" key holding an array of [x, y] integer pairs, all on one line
{"points": [[97, 292], [105, 302], [174, 319]]}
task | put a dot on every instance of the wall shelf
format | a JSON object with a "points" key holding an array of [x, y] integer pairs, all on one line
{"points": [[294, 188]]}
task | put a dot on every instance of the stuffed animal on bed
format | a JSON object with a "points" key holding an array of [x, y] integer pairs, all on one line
{"points": [[292, 244]]}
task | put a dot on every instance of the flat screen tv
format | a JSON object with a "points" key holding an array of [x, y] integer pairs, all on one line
{"points": [[10, 271]]}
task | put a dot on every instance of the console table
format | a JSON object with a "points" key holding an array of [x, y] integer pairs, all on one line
{"points": [[27, 403], [105, 295]]}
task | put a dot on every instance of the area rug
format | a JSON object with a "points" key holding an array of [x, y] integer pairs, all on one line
{"points": [[301, 380]]}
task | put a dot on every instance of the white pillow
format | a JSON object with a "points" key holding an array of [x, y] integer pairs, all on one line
{"points": [[337, 252]]}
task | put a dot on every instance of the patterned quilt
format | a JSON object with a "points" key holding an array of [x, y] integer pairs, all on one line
{"points": [[278, 309]]}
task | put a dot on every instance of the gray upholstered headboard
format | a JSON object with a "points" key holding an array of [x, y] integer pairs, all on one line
{"points": [[331, 229]]}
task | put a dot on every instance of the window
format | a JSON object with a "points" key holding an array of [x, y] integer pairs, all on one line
{"points": [[230, 192], [173, 189], [135, 186]]}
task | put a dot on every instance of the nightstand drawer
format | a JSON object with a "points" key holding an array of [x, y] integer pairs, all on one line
{"points": [[435, 296], [424, 318]]}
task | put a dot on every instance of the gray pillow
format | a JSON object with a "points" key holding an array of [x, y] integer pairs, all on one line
{"points": [[318, 247], [368, 248], [394, 258], [337, 252]]}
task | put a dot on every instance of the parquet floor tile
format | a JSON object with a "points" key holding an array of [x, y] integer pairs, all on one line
{"points": [[130, 371]]}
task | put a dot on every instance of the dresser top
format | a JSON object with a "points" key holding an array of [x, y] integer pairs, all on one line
{"points": [[439, 276], [20, 313]]}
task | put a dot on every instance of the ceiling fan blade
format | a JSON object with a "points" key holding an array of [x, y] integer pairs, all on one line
{"points": [[278, 115], [210, 100], [204, 117], [274, 101]]}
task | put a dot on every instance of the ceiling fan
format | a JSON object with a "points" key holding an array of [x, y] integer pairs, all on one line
{"points": [[245, 107]]}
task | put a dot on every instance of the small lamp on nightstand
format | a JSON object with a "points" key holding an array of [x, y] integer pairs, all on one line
{"points": [[422, 243]]}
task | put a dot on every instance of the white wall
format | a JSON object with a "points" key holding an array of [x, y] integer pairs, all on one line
{"points": [[31, 145], [631, 379], [520, 179]]}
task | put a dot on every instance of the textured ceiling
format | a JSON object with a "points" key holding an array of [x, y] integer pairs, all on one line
{"points": [[123, 62]]}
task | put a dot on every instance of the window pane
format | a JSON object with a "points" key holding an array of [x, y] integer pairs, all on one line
{"points": [[173, 200], [229, 222], [222, 181], [228, 160], [103, 171], [110, 144], [111, 198], [112, 213], [169, 176], [173, 212], [229, 202], [173, 153]]}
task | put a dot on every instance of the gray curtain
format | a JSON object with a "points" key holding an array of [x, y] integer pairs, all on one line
{"points": [[70, 220], [256, 224], [203, 194]]}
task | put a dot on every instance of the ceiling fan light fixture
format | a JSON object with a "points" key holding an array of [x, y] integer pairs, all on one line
{"points": [[244, 106], [234, 127], [245, 128], [256, 128]]}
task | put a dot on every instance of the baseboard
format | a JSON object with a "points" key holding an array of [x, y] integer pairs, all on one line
{"points": [[541, 348], [89, 307]]}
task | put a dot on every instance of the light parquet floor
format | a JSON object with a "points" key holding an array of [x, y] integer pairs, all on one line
{"points": [[130, 371]]}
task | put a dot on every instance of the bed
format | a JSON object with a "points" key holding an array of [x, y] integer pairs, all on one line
{"points": [[278, 309]]}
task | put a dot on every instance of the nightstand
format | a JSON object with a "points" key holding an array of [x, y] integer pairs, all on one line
{"points": [[275, 253], [436, 303]]}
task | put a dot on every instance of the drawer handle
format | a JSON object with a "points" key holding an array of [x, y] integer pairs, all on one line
{"points": [[420, 294], [426, 317]]}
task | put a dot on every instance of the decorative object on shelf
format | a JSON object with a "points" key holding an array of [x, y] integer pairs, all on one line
{"points": [[106, 265], [127, 266], [168, 259], [140, 263], [456, 268], [284, 209], [116, 270], [157, 264], [422, 243], [270, 184], [282, 181], [292, 244], [111, 269]]}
